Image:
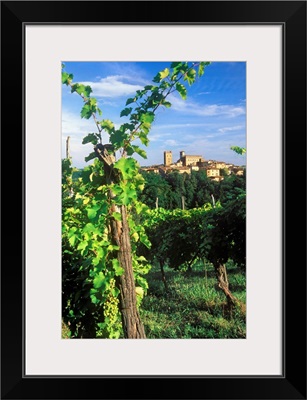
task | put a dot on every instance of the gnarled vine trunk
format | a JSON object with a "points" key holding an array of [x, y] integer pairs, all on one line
{"points": [[132, 324], [221, 274], [120, 235]]}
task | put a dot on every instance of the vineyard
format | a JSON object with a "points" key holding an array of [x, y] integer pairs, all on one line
{"points": [[131, 269]]}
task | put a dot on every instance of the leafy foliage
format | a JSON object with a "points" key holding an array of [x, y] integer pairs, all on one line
{"points": [[180, 237], [238, 150]]}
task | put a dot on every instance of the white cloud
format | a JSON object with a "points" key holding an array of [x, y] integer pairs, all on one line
{"points": [[218, 149], [192, 108], [74, 125], [113, 86], [157, 137], [171, 142], [184, 126], [215, 110], [231, 128]]}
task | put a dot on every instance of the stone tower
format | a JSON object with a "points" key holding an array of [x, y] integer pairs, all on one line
{"points": [[168, 158]]}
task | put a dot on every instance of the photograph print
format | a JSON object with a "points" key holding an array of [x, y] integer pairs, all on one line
{"points": [[154, 200]]}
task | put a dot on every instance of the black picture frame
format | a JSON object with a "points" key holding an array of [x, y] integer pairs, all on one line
{"points": [[292, 16]]}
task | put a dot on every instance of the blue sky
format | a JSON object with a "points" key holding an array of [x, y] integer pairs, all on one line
{"points": [[207, 123]]}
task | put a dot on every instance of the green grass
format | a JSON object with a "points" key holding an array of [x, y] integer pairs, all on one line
{"points": [[193, 307]]}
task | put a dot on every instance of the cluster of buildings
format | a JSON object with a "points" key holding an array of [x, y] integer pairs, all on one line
{"points": [[186, 163]]}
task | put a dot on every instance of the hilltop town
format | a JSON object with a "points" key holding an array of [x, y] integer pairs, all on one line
{"points": [[215, 170]]}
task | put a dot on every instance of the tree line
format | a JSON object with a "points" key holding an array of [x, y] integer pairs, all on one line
{"points": [[175, 190]]}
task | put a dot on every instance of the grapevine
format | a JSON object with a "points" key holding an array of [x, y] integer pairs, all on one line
{"points": [[100, 220]]}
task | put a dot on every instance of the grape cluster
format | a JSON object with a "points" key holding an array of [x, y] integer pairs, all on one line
{"points": [[110, 306]]}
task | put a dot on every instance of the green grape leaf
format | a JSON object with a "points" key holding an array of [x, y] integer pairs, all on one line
{"points": [[72, 239], [90, 138], [82, 245], [82, 90], [140, 207], [176, 65], [181, 90], [117, 268], [238, 150], [201, 68], [125, 111], [140, 93], [164, 85], [74, 87], [143, 138], [147, 117], [177, 68], [190, 76], [144, 239], [142, 282], [145, 128], [77, 87], [135, 236], [127, 195], [66, 78], [115, 292], [161, 75], [113, 247], [72, 231], [99, 281], [156, 98], [94, 299], [130, 100], [107, 125], [129, 150], [150, 87], [116, 215], [89, 228], [86, 111], [118, 138], [139, 151], [92, 101], [127, 166], [87, 91], [91, 156], [126, 126], [166, 104], [92, 212]]}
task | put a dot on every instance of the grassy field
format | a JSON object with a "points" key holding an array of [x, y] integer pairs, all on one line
{"points": [[193, 307]]}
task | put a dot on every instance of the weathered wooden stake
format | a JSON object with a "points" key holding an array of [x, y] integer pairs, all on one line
{"points": [[67, 147]]}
